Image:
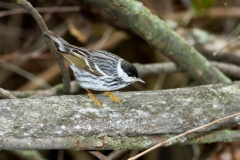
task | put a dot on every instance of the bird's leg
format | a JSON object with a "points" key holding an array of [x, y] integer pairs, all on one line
{"points": [[97, 102], [113, 97]]}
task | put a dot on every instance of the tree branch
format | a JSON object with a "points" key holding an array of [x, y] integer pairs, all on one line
{"points": [[142, 120], [170, 67], [65, 75], [158, 34], [114, 142]]}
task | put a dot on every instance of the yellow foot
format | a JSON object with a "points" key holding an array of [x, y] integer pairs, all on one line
{"points": [[97, 102], [113, 97]]}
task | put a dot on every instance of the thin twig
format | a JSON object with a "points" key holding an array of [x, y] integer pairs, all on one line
{"points": [[196, 151], [99, 155], [60, 155], [8, 5], [25, 74], [56, 90], [183, 134], [40, 9], [65, 75], [6, 94], [234, 40], [227, 68], [104, 38]]}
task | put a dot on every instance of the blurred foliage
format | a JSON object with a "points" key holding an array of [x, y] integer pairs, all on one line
{"points": [[21, 45], [198, 5]]}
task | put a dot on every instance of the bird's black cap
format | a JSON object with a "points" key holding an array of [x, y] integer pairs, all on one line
{"points": [[129, 69]]}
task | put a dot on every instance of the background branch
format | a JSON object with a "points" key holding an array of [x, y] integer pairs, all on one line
{"points": [[158, 34], [40, 9], [170, 67], [144, 70]]}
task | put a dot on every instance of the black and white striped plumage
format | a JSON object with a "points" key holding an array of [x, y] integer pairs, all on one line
{"points": [[96, 69]]}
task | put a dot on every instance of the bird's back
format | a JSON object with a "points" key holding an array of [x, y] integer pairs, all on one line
{"points": [[107, 62]]}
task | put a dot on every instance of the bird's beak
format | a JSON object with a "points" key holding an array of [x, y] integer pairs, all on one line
{"points": [[139, 80]]}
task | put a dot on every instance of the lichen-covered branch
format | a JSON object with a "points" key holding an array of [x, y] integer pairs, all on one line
{"points": [[114, 142], [158, 34], [74, 121]]}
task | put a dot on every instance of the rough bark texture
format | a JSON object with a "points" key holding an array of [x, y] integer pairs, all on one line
{"points": [[116, 142], [159, 35], [68, 121]]}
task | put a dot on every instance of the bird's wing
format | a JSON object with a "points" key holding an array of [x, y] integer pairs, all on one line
{"points": [[78, 56], [106, 61]]}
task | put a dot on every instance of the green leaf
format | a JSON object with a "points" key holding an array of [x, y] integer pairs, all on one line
{"points": [[199, 5]]}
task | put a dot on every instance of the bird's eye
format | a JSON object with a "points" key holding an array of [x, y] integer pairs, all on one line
{"points": [[129, 74]]}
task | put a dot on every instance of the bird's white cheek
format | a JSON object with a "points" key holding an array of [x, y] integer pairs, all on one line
{"points": [[124, 76], [127, 78]]}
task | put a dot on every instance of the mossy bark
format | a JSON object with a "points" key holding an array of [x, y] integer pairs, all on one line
{"points": [[159, 35]]}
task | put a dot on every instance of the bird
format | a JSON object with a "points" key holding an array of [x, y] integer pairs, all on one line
{"points": [[96, 70]]}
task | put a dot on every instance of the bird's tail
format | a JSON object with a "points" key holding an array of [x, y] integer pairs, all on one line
{"points": [[62, 45], [76, 55]]}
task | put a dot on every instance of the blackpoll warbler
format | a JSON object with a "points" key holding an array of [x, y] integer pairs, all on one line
{"points": [[96, 69]]}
